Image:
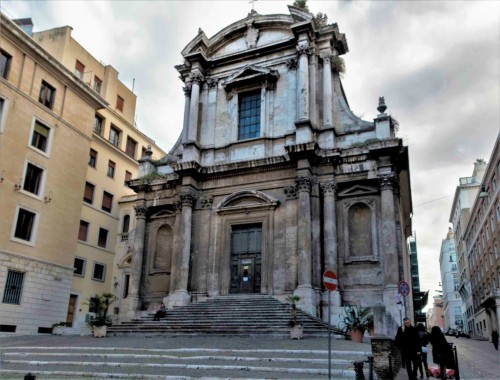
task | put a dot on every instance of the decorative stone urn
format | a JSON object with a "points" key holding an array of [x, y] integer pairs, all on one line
{"points": [[297, 332], [386, 357]]}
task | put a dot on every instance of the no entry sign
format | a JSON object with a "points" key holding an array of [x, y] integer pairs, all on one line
{"points": [[330, 280]]}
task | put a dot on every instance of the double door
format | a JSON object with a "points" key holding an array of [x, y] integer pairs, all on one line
{"points": [[246, 249]]}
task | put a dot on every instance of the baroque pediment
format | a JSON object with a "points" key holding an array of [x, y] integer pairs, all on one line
{"points": [[243, 201], [250, 74], [357, 190]]}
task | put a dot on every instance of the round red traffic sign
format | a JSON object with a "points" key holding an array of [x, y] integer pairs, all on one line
{"points": [[330, 280], [404, 288]]}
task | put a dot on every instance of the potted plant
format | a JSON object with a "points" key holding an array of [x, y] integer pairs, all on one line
{"points": [[58, 328], [99, 304], [296, 329], [357, 320]]}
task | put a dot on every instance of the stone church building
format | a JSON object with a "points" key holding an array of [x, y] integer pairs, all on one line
{"points": [[273, 179]]}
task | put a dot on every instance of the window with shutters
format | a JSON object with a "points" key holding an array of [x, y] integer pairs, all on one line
{"points": [[99, 272], [83, 231], [40, 137], [107, 201], [97, 85], [131, 147], [79, 69], [114, 136], [111, 169], [92, 158], [25, 225], [119, 103], [13, 287], [5, 60], [79, 265], [128, 176], [47, 95], [98, 125], [88, 195], [33, 179], [102, 240]]}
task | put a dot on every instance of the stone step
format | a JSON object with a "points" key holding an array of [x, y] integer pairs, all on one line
{"points": [[190, 363], [226, 315]]}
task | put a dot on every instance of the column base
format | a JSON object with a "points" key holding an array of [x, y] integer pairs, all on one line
{"points": [[307, 300], [177, 298], [390, 299], [132, 306]]}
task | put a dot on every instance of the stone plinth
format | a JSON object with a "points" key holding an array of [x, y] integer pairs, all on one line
{"points": [[382, 349]]}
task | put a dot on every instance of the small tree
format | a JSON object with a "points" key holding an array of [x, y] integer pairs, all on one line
{"points": [[293, 310], [302, 4], [99, 304]]}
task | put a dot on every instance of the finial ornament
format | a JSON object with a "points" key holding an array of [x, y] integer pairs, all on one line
{"points": [[381, 105]]}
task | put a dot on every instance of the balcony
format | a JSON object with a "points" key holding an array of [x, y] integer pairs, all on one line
{"points": [[490, 298]]}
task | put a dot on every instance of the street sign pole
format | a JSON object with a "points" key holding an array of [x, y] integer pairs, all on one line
{"points": [[330, 283], [329, 337]]}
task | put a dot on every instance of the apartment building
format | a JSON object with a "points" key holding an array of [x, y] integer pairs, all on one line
{"points": [[112, 159], [46, 119], [482, 239], [465, 194], [452, 303]]}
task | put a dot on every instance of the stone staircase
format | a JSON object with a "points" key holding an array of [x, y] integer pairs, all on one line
{"points": [[240, 315]]}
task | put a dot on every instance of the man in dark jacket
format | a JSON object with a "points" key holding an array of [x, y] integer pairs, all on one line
{"points": [[408, 342]]}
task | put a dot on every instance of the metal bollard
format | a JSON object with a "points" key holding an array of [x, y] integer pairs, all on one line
{"points": [[370, 367], [30, 376], [358, 369], [457, 372], [391, 374]]}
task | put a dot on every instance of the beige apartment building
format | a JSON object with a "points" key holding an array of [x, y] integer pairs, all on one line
{"points": [[115, 148], [68, 143], [46, 118]]}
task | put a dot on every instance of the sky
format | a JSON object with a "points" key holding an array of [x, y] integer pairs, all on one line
{"points": [[437, 63]]}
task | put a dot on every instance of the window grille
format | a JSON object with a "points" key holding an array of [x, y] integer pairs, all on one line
{"points": [[13, 288]]}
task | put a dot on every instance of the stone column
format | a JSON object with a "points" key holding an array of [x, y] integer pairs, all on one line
{"points": [[134, 301], [303, 82], [389, 243], [304, 247], [291, 237], [327, 91], [181, 297], [329, 190], [194, 106], [187, 100]]}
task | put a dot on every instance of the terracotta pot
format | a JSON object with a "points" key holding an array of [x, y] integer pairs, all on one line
{"points": [[356, 335]]}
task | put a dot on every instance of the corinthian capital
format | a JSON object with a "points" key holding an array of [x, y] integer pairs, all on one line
{"points": [[304, 184], [188, 199], [387, 181], [304, 49], [187, 89], [196, 77], [140, 211], [329, 188]]}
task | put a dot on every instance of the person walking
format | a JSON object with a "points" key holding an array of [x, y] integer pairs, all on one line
{"points": [[442, 353], [424, 341], [408, 342], [494, 338]]}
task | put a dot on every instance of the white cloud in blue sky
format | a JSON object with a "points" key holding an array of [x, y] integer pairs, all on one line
{"points": [[436, 62]]}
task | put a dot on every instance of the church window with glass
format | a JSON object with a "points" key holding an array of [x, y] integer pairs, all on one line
{"points": [[249, 115]]}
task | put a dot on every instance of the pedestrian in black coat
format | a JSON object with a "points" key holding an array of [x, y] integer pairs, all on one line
{"points": [[494, 338], [408, 342], [442, 353]]}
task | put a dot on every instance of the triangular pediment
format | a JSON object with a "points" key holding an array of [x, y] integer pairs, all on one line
{"points": [[248, 74], [163, 214], [357, 190]]}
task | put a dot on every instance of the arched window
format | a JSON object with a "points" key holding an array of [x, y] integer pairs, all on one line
{"points": [[126, 224]]}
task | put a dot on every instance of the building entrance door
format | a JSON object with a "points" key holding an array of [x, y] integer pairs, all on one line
{"points": [[71, 310], [246, 249]]}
